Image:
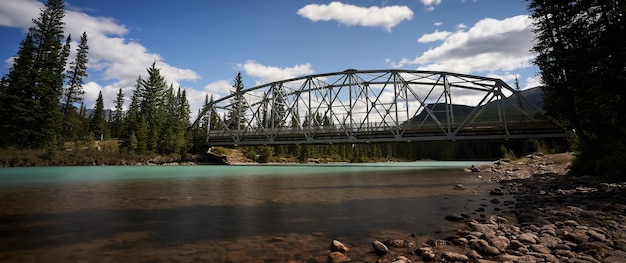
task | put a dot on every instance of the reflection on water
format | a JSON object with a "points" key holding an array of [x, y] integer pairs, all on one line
{"points": [[222, 213]]}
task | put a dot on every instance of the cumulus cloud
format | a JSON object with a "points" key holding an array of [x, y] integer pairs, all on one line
{"points": [[489, 45], [266, 74], [435, 36], [386, 17], [430, 4], [118, 59]]}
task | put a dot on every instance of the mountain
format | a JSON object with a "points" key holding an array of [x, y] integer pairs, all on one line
{"points": [[530, 103]]}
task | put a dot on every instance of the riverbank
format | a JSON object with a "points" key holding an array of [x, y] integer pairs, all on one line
{"points": [[542, 215]]}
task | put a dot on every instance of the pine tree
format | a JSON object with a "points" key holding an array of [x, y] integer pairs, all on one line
{"points": [[74, 91], [29, 109], [50, 62], [118, 115], [97, 122], [154, 91], [17, 100], [131, 122], [236, 116], [183, 135], [581, 52]]}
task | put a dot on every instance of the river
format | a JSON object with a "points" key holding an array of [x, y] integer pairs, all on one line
{"points": [[216, 213]]}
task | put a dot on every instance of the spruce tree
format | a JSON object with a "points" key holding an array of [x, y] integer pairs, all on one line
{"points": [[30, 112], [131, 122], [50, 61], [73, 92], [581, 52], [151, 107], [118, 115], [18, 103], [97, 122], [236, 116]]}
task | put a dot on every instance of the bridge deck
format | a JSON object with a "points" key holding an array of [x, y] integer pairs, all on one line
{"points": [[337, 135]]}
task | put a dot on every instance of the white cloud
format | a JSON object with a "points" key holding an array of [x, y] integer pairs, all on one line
{"points": [[489, 45], [430, 4], [218, 89], [435, 36], [118, 59], [266, 74], [532, 82], [19, 13], [386, 17]]}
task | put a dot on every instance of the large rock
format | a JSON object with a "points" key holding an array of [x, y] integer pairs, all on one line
{"points": [[483, 247], [453, 256], [528, 238], [455, 217], [380, 248], [401, 259], [577, 236], [337, 246], [427, 253], [338, 257], [499, 242]]}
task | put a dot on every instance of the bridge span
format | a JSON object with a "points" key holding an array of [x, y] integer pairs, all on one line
{"points": [[370, 106]]}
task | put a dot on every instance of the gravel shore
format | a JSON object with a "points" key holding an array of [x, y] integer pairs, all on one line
{"points": [[554, 217]]}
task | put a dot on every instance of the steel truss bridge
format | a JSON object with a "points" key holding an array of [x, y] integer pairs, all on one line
{"points": [[370, 106]]}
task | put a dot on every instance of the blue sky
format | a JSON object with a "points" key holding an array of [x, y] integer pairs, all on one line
{"points": [[201, 45]]}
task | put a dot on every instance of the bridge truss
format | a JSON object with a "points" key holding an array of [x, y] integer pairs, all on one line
{"points": [[368, 106]]}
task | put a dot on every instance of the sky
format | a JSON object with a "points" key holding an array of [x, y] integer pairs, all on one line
{"points": [[200, 46]]}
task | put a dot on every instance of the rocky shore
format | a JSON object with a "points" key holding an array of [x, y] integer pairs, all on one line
{"points": [[554, 217]]}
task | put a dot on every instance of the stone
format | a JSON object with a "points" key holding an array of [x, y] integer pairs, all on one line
{"points": [[516, 245], [453, 256], [401, 259], [528, 238], [394, 243], [499, 242], [496, 191], [550, 241], [482, 247], [577, 237], [436, 242], [427, 253], [473, 254], [337, 246], [380, 248], [486, 229], [455, 217], [460, 241], [539, 248], [614, 259], [564, 253], [338, 257], [525, 259]]}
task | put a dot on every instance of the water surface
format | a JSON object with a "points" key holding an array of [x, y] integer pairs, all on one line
{"points": [[270, 213]]}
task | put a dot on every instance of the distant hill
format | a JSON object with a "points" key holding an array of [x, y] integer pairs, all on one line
{"points": [[533, 98]]}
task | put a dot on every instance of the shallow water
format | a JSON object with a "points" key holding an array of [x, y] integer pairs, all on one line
{"points": [[271, 213]]}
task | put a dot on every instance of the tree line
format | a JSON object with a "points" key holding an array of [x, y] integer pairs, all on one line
{"points": [[42, 104], [581, 54]]}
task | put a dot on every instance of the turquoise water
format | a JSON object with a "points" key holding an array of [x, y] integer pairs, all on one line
{"points": [[214, 213], [95, 174]]}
